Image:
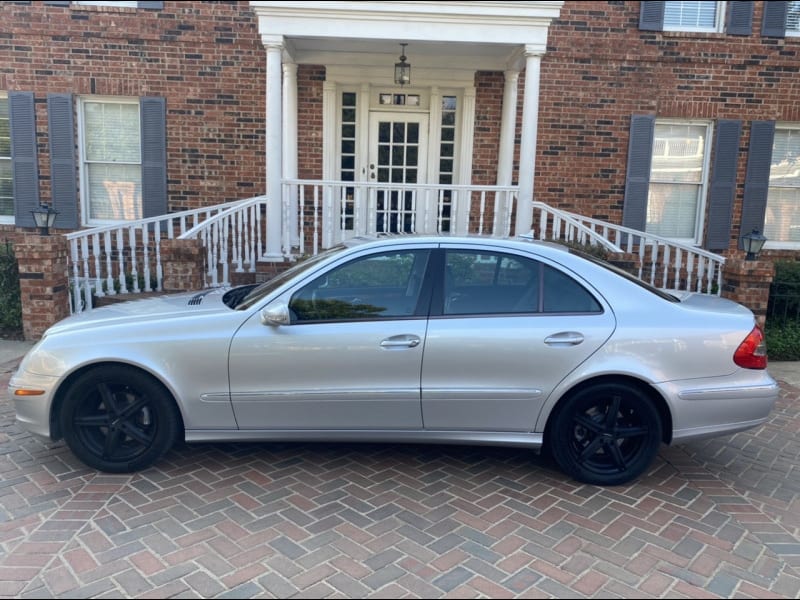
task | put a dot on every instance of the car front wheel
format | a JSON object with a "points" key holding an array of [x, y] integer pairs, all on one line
{"points": [[117, 419], [605, 434]]}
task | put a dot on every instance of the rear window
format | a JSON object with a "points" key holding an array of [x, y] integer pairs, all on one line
{"points": [[625, 275]]}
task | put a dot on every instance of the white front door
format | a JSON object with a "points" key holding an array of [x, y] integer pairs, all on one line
{"points": [[398, 154]]}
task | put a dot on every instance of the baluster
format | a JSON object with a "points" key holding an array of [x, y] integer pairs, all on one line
{"points": [[224, 248], [258, 227], [87, 286], [159, 268], [665, 266], [701, 271], [689, 271], [76, 280], [134, 266], [146, 257], [107, 245], [98, 281], [509, 211], [316, 220], [654, 260], [719, 279], [482, 208], [641, 256]]}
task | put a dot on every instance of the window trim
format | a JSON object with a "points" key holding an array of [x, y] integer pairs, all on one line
{"points": [[719, 21], [780, 244], [86, 221], [8, 219], [702, 205]]}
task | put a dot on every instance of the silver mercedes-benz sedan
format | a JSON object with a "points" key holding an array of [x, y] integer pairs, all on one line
{"points": [[407, 339]]}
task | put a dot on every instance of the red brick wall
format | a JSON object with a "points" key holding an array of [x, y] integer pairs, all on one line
{"points": [[600, 68], [205, 58]]}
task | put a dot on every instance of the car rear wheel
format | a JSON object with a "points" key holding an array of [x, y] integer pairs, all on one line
{"points": [[605, 434], [118, 419]]}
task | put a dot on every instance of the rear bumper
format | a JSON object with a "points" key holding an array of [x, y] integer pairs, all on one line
{"points": [[703, 408]]}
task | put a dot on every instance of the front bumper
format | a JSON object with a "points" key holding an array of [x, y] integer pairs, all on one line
{"points": [[33, 412]]}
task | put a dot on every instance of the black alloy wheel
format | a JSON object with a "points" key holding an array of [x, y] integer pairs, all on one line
{"points": [[118, 419], [606, 434]]}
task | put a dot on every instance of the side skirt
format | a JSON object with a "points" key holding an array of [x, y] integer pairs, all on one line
{"points": [[477, 438]]}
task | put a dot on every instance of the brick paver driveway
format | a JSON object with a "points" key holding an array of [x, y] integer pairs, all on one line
{"points": [[721, 518]]}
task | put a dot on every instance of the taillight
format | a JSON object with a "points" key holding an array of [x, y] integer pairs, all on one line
{"points": [[752, 352]]}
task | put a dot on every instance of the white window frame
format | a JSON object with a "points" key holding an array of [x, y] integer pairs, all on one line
{"points": [[792, 32], [8, 219], [699, 222], [719, 21], [107, 3], [781, 244], [84, 171]]}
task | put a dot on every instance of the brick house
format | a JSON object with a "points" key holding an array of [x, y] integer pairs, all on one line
{"points": [[677, 119]]}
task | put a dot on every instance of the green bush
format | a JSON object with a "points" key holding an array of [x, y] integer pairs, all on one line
{"points": [[10, 304], [783, 340]]}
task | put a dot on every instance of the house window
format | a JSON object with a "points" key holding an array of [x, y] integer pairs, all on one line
{"points": [[678, 176], [111, 164], [793, 19], [782, 219], [447, 157], [6, 182], [348, 158], [693, 16]]}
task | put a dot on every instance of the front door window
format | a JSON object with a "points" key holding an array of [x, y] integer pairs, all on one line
{"points": [[398, 155]]}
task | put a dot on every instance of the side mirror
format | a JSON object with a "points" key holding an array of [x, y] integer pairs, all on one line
{"points": [[276, 314]]}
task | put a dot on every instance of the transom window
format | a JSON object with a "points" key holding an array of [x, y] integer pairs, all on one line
{"points": [[691, 15], [782, 220], [678, 177], [111, 162], [6, 181]]}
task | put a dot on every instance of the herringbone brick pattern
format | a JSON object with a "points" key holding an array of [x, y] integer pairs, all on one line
{"points": [[717, 519]]}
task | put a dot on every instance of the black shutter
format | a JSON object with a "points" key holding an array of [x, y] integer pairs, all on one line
{"points": [[154, 156], [739, 19], [723, 184], [63, 183], [756, 185], [24, 158], [774, 20], [155, 4], [651, 16], [637, 180]]}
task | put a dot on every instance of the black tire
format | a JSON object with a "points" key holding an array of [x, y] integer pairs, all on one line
{"points": [[118, 419], [605, 434]]}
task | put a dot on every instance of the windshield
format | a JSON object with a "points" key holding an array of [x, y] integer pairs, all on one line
{"points": [[622, 273], [257, 293]]}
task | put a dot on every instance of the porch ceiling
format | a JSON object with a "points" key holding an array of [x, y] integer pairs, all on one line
{"points": [[476, 35]]}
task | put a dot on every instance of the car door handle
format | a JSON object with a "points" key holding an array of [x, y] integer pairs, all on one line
{"points": [[565, 338], [401, 341]]}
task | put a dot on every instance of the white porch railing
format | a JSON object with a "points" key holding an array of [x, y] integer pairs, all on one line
{"points": [[325, 213], [661, 262], [126, 258]]}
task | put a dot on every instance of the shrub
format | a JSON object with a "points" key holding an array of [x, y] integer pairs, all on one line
{"points": [[783, 340], [10, 304]]}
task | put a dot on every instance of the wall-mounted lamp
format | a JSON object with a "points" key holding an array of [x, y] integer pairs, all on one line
{"points": [[402, 70], [44, 217], [752, 243]]}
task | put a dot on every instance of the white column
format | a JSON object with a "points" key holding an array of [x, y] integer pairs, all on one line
{"points": [[274, 46], [505, 156], [329, 171], [527, 150], [463, 198], [290, 146]]}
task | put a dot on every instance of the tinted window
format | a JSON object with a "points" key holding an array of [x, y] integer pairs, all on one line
{"points": [[386, 285], [493, 283], [490, 283]]}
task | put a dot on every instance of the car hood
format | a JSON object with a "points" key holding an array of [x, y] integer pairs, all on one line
{"points": [[171, 306]]}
